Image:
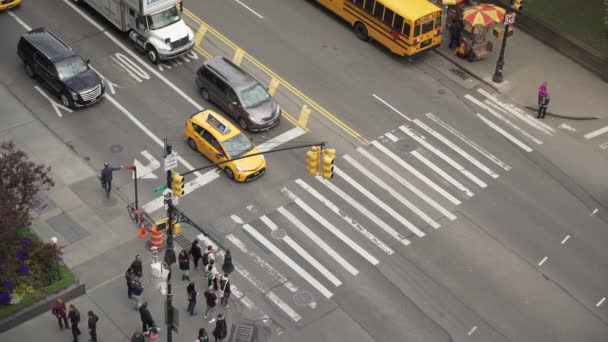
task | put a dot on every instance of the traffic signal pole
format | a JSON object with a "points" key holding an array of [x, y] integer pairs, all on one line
{"points": [[169, 254]]}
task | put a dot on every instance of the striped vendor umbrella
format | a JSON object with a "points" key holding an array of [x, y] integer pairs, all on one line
{"points": [[484, 14]]}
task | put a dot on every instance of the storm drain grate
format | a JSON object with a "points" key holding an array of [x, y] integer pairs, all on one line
{"points": [[460, 73], [182, 241], [244, 333]]}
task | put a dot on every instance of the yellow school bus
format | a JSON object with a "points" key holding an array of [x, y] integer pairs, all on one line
{"points": [[406, 27]]}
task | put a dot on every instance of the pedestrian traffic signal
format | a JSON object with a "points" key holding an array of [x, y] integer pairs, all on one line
{"points": [[312, 160], [518, 5], [329, 157], [177, 184]]}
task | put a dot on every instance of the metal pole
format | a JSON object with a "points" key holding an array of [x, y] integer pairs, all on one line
{"points": [[135, 174], [54, 241], [497, 77], [169, 254]]}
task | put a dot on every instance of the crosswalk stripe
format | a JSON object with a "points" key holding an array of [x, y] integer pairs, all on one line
{"points": [[595, 133], [371, 216], [329, 226], [353, 223], [397, 196], [442, 155], [316, 239], [442, 173], [504, 111], [468, 141], [503, 119], [281, 139], [391, 136], [287, 260], [516, 112], [456, 148], [416, 173], [378, 202], [303, 253], [284, 306], [250, 305], [506, 134], [407, 184]]}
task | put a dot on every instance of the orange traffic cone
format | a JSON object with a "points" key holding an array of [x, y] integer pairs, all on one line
{"points": [[156, 240], [142, 232]]}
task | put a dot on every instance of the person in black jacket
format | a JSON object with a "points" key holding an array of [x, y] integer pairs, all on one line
{"points": [[191, 291], [137, 266], [146, 317], [129, 275], [184, 264], [106, 177], [225, 290], [221, 328], [74, 317], [195, 250], [93, 326]]}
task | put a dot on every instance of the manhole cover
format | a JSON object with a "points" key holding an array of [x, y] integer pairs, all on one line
{"points": [[441, 91], [278, 234], [303, 298], [460, 73], [244, 333], [116, 148]]}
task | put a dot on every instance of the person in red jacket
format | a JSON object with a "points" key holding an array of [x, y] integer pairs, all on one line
{"points": [[59, 310]]}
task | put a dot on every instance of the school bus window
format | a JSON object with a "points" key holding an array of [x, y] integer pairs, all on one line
{"points": [[427, 27], [416, 30], [379, 10], [438, 22], [369, 6], [398, 23], [407, 29], [359, 3], [388, 17]]}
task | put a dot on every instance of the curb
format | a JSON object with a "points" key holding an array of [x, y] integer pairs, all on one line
{"points": [[468, 71], [561, 116]]}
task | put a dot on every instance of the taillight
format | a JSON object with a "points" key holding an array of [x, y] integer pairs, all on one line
{"points": [[438, 31], [415, 40]]}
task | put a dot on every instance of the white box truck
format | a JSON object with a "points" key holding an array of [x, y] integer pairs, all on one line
{"points": [[155, 26]]}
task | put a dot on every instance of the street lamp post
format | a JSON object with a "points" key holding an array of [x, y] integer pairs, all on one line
{"points": [[54, 242], [497, 77]]}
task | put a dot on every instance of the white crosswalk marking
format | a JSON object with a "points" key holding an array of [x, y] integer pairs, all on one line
{"points": [[596, 133], [353, 223], [287, 260], [442, 173], [456, 148], [284, 306], [329, 226], [377, 201], [397, 196], [416, 173], [371, 216], [303, 253], [506, 134], [316, 239], [468, 141], [407, 184], [503, 119], [442, 155]]}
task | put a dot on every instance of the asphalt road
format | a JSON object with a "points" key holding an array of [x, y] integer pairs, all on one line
{"points": [[500, 247]]}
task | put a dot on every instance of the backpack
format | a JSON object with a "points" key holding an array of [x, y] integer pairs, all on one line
{"points": [[209, 273], [206, 259]]}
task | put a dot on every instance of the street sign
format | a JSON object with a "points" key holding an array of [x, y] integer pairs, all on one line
{"points": [[171, 161], [510, 18], [175, 200], [160, 188]]}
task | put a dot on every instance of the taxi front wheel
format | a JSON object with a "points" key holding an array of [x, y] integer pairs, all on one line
{"points": [[229, 173], [192, 144]]}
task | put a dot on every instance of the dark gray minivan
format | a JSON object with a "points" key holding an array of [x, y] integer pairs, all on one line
{"points": [[238, 94]]}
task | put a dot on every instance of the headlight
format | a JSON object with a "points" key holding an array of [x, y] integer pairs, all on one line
{"points": [[256, 120], [74, 95], [261, 155], [239, 169]]}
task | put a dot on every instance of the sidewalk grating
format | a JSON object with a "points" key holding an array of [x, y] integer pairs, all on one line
{"points": [[244, 333], [65, 226]]}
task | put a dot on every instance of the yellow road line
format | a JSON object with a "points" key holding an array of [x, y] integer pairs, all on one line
{"points": [[238, 56], [304, 115], [272, 87], [294, 90]]}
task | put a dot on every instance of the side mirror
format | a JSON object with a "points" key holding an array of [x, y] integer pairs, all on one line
{"points": [[181, 6], [88, 61], [220, 155], [234, 103]]}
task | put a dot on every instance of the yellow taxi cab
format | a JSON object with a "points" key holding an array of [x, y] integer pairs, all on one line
{"points": [[8, 4], [218, 139]]}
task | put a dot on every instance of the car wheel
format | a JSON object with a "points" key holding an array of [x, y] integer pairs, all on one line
{"points": [[361, 31], [192, 144], [66, 101], [29, 71], [152, 54], [229, 173], [243, 124], [205, 94]]}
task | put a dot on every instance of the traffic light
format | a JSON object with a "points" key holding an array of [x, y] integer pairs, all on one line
{"points": [[518, 5], [177, 184], [329, 157], [312, 160]]}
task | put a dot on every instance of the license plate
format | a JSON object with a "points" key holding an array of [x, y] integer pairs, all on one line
{"points": [[426, 43]]}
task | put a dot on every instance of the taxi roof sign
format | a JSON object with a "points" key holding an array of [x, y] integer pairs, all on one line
{"points": [[217, 124]]}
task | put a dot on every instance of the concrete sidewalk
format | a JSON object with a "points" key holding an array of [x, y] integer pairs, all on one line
{"points": [[575, 91]]}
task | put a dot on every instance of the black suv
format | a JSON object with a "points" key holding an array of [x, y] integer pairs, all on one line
{"points": [[238, 94], [64, 72]]}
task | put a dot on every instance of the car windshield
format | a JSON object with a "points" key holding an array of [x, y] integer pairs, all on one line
{"points": [[71, 67], [237, 145], [254, 96], [164, 18]]}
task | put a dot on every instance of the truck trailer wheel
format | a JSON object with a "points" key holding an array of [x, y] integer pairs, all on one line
{"points": [[152, 54]]}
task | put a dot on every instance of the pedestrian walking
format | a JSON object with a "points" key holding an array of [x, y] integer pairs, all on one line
{"points": [[227, 266], [74, 317], [184, 264], [455, 28], [202, 335], [542, 90], [191, 291], [138, 337], [146, 317], [137, 291], [211, 299], [225, 294], [221, 328], [129, 275], [137, 266], [195, 251], [93, 326], [106, 177], [153, 334], [210, 272], [59, 310], [542, 106]]}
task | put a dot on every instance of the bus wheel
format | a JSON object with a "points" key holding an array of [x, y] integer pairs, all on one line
{"points": [[361, 31]]}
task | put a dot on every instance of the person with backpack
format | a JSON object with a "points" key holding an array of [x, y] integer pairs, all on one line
{"points": [[129, 275], [146, 317], [202, 335], [211, 299], [221, 328], [191, 291], [195, 251], [74, 317], [225, 291], [210, 272], [93, 326], [209, 254], [184, 264]]}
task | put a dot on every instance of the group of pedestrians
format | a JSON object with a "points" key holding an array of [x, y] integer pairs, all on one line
{"points": [[72, 314]]}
